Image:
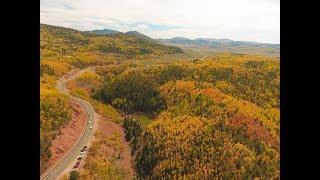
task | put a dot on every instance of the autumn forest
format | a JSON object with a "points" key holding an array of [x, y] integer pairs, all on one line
{"points": [[192, 118]]}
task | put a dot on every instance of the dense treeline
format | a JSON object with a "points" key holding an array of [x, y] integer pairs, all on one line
{"points": [[201, 131], [84, 85], [249, 77], [132, 91], [186, 146], [214, 121]]}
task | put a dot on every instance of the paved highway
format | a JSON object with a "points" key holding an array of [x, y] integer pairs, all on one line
{"points": [[58, 168]]}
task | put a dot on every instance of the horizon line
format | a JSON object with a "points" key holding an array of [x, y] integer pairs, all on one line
{"points": [[163, 38]]}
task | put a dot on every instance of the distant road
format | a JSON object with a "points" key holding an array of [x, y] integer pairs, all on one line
{"points": [[205, 55], [57, 168]]}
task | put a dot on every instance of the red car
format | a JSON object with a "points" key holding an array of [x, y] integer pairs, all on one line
{"points": [[77, 164]]}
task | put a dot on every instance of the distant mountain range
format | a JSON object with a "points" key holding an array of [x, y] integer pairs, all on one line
{"points": [[226, 45], [210, 42], [222, 45]]}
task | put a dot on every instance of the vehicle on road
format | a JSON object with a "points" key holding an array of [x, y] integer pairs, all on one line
{"points": [[89, 122], [90, 127], [84, 149], [77, 164], [79, 158]]}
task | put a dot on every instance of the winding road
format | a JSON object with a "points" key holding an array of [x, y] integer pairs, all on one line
{"points": [[205, 55], [60, 166]]}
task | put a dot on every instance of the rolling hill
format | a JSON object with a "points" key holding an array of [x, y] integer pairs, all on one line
{"points": [[131, 33], [56, 41], [140, 35]]}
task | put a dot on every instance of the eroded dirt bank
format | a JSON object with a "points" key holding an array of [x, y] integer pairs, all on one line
{"points": [[70, 134]]}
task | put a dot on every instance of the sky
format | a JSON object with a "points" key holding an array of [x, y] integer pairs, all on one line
{"points": [[246, 20]]}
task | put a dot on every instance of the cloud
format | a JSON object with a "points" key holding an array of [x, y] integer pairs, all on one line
{"points": [[234, 19]]}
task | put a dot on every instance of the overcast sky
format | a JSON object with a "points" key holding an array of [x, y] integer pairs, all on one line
{"points": [[250, 20]]}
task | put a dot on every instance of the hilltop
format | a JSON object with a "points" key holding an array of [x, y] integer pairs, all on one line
{"points": [[131, 33], [56, 41], [103, 31]]}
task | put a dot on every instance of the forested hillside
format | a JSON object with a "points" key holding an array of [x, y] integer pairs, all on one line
{"points": [[60, 41], [216, 118]]}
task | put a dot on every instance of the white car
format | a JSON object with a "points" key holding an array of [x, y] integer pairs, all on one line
{"points": [[89, 122], [90, 127]]}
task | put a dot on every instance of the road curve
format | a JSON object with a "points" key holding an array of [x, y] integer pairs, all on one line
{"points": [[205, 55], [57, 168]]}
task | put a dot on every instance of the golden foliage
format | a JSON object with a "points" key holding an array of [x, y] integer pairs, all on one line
{"points": [[102, 159]]}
